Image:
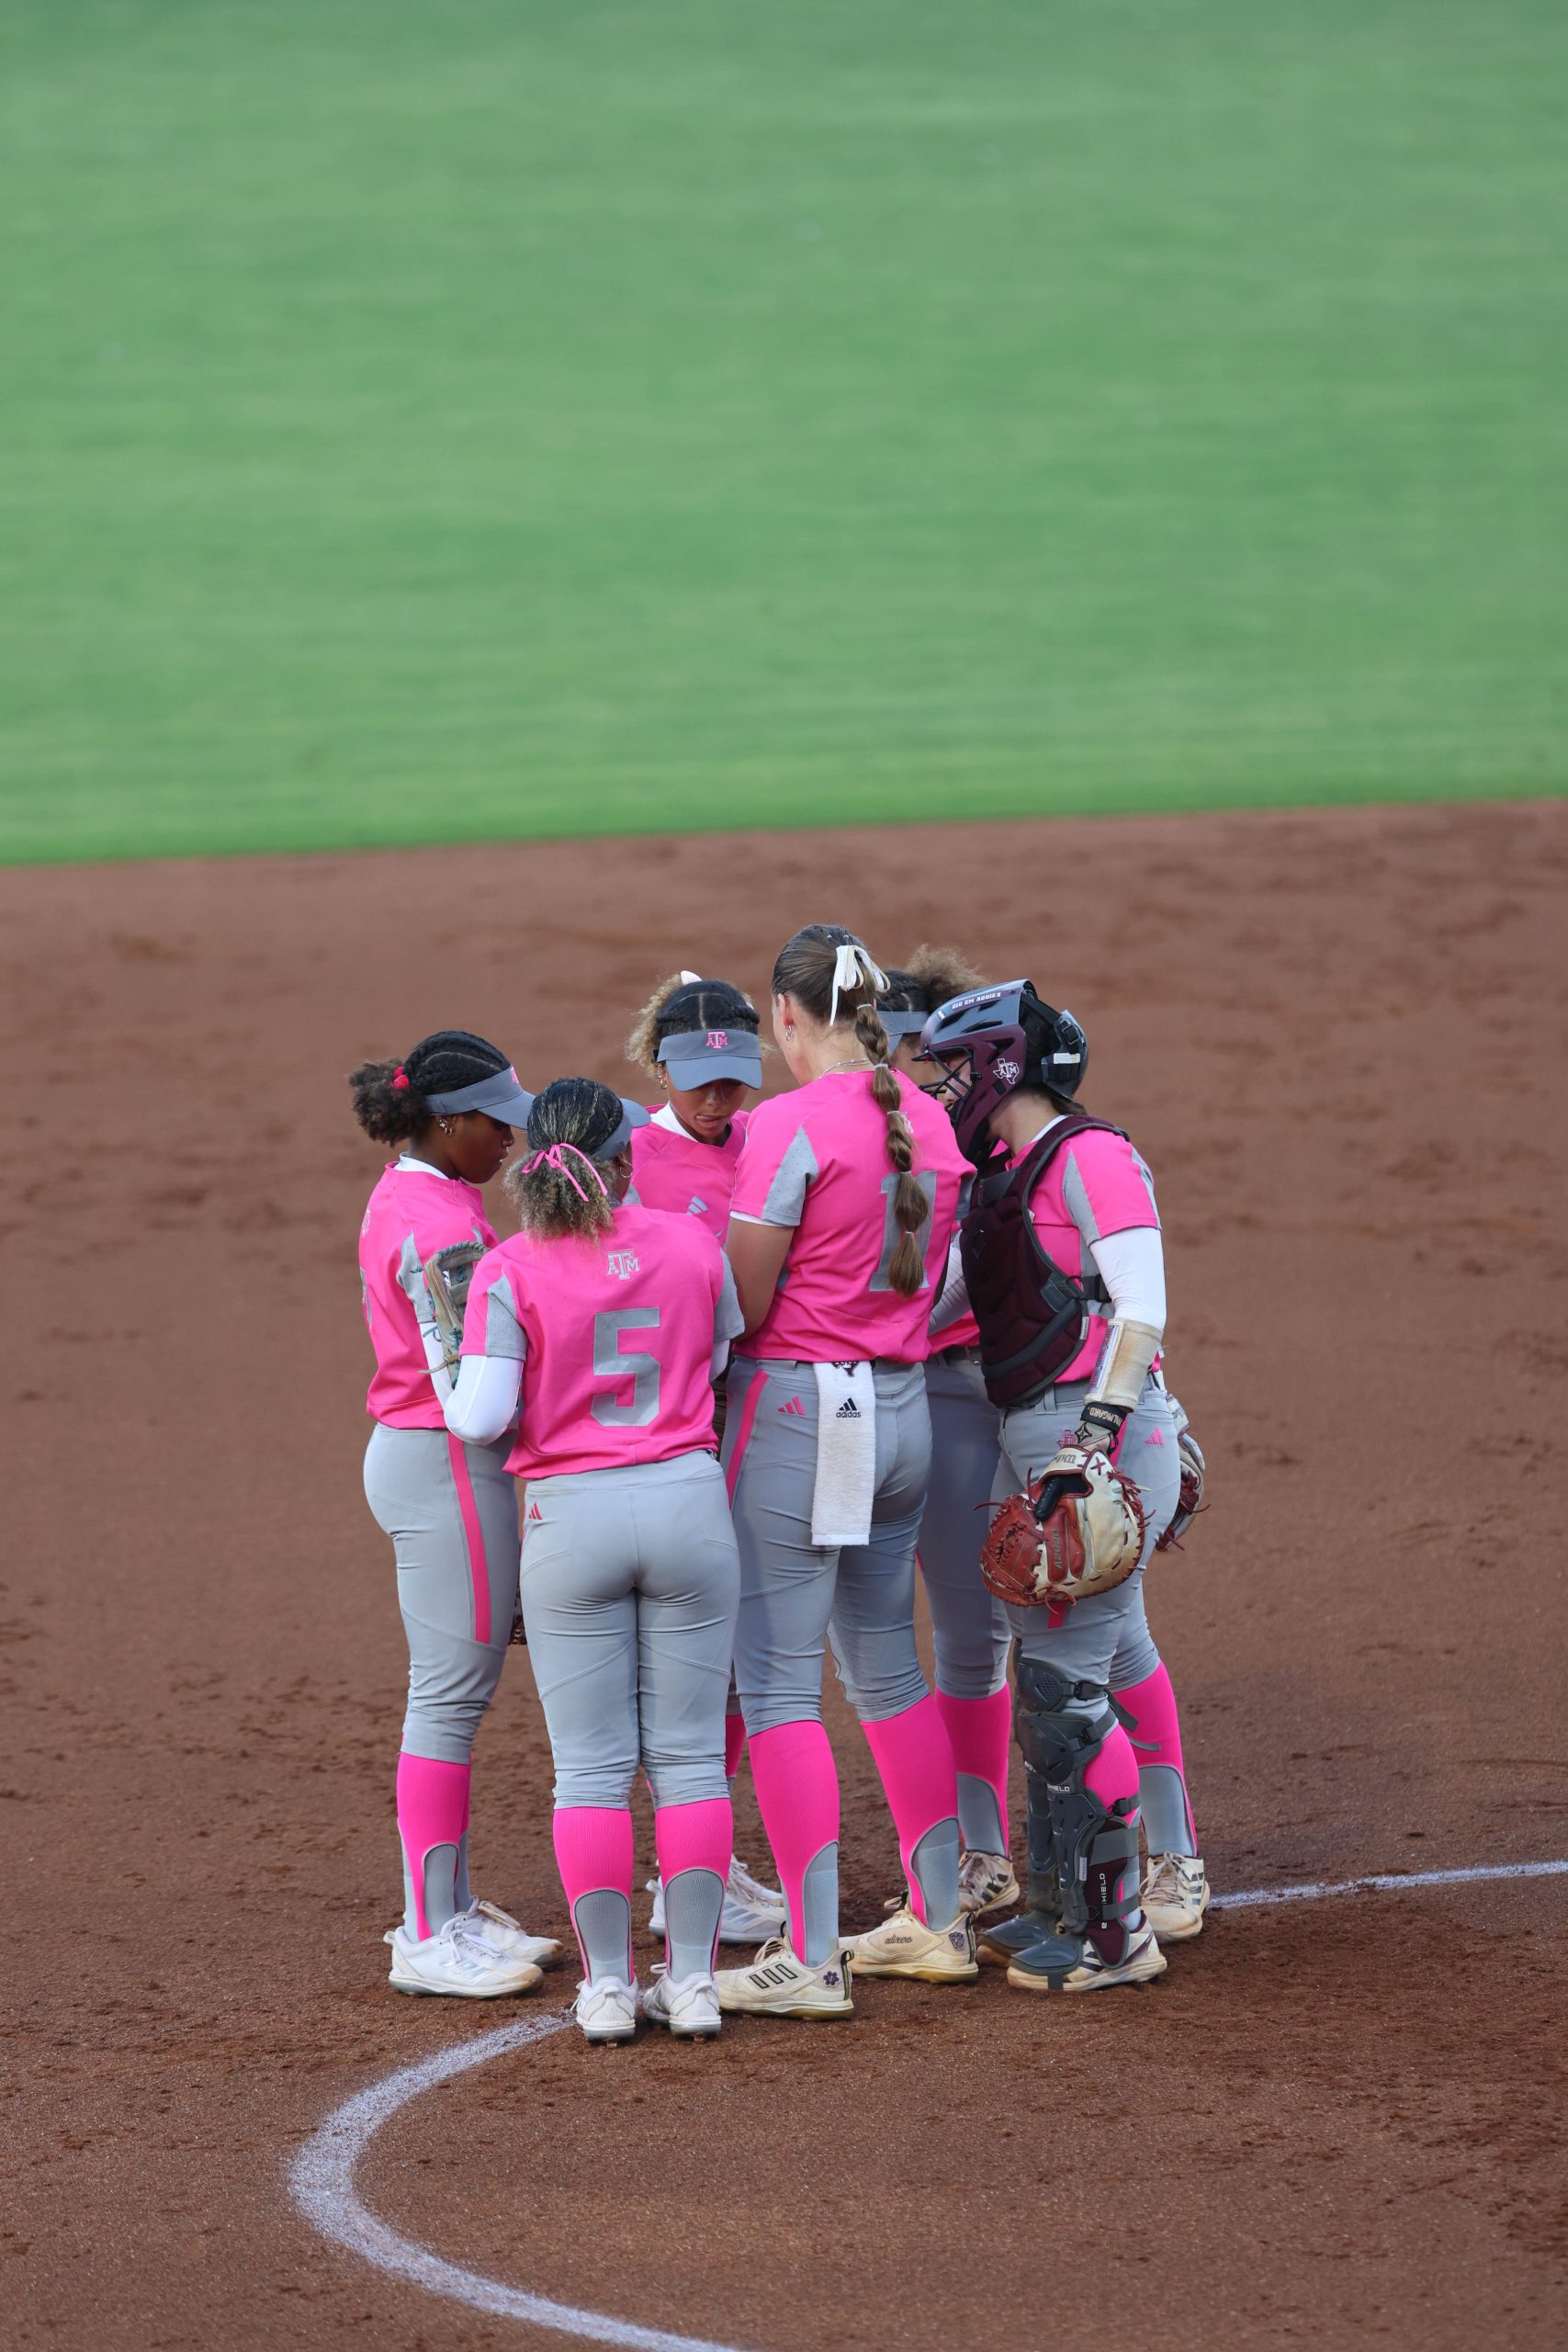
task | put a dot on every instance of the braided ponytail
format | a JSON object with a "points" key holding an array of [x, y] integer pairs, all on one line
{"points": [[910, 1206], [557, 1187]]}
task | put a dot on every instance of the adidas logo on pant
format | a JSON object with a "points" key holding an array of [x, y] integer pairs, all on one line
{"points": [[793, 1405]]}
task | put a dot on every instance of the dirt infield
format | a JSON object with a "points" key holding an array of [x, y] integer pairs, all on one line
{"points": [[1338, 1038]]}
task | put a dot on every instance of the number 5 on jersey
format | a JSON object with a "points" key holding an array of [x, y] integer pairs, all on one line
{"points": [[623, 1366]]}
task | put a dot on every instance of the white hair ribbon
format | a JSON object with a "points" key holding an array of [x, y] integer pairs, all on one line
{"points": [[851, 964], [687, 978]]}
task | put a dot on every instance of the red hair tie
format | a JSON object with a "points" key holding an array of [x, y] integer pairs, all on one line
{"points": [[400, 1078]]}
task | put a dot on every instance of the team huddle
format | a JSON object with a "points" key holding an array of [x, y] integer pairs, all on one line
{"points": [[749, 1370]]}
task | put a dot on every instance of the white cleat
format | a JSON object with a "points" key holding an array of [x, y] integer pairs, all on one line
{"points": [[749, 1913], [986, 1883], [1176, 1896], [1058, 1969], [606, 2010], [509, 1937], [902, 1945], [777, 1984], [456, 1961], [689, 2006]]}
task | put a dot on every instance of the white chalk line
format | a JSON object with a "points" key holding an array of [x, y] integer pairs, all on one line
{"points": [[321, 2176]]}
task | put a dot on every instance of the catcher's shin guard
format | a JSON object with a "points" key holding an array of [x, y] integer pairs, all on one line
{"points": [[1062, 1727], [1041, 1911]]}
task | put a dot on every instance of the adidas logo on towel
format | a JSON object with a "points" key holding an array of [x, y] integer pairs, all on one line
{"points": [[791, 1405], [848, 1411]]}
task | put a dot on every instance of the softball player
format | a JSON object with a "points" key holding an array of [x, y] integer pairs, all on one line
{"points": [[970, 1631], [970, 1634], [844, 1201], [1080, 1205], [697, 1039], [610, 1323], [450, 1509]]}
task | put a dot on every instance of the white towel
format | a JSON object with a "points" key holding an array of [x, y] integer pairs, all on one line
{"points": [[846, 1454]]}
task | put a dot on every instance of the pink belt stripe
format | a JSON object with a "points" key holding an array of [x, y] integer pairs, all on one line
{"points": [[473, 1537], [743, 1436]]}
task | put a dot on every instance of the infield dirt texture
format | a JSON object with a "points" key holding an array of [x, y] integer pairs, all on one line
{"points": [[1338, 1037]]}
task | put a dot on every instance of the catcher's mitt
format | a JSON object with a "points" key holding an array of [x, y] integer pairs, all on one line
{"points": [[1189, 1500], [448, 1273], [1079, 1530]]}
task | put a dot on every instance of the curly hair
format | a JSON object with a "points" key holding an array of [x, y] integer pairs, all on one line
{"points": [[390, 1097], [927, 979], [681, 1003], [558, 1187], [804, 970]]}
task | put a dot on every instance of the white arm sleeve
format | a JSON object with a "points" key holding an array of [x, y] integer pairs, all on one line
{"points": [[728, 1322], [483, 1405], [953, 1299], [434, 1356], [1132, 1267]]}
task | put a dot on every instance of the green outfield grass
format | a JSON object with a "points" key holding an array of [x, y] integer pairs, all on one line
{"points": [[426, 420]]}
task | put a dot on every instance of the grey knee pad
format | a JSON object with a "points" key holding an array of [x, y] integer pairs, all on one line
{"points": [[1062, 1727]]}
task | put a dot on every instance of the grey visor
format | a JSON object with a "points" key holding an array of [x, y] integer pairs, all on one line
{"points": [[499, 1096], [899, 1025], [697, 1057], [632, 1116]]}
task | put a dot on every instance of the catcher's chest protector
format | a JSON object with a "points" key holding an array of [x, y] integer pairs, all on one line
{"points": [[1032, 1315]]}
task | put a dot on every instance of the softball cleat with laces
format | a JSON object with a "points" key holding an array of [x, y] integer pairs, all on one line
{"points": [[456, 1961], [751, 1911], [509, 1937], [777, 1984], [986, 1883], [1176, 1896], [687, 2006], [606, 2010], [902, 1945], [1066, 1963]]}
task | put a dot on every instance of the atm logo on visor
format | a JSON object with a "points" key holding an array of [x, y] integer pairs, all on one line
{"points": [[719, 1040]]}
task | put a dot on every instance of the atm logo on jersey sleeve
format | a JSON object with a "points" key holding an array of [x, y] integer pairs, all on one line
{"points": [[622, 1264]]}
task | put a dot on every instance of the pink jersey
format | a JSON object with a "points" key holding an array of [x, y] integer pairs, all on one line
{"points": [[615, 1333], [671, 1169], [1095, 1186], [817, 1160], [411, 1214]]}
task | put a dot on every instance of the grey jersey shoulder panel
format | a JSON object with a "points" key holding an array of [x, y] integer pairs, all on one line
{"points": [[504, 1335], [785, 1204]]}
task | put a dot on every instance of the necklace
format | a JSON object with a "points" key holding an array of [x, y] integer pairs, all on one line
{"points": [[851, 1064]]}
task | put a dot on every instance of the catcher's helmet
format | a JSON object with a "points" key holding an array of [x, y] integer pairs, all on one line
{"points": [[1006, 1037]]}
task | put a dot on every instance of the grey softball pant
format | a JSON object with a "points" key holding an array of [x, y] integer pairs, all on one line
{"points": [[1106, 1638], [970, 1632], [451, 1511], [629, 1587], [796, 1595]]}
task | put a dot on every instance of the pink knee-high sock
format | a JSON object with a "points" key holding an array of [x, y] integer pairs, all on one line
{"points": [[914, 1756], [798, 1795], [981, 1732], [734, 1744], [595, 1854], [695, 1838], [1157, 1744], [432, 1810]]}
